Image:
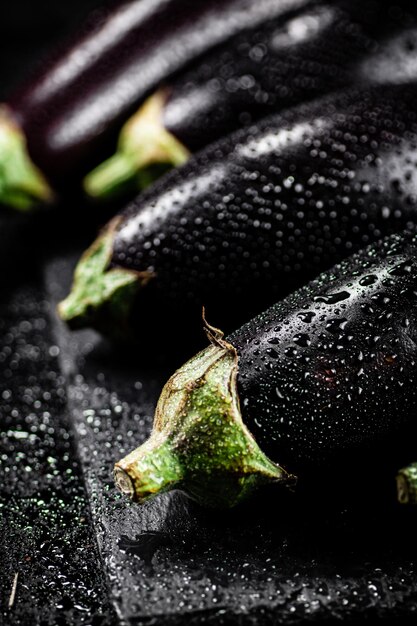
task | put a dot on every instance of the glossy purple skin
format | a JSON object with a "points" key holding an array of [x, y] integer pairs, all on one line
{"points": [[74, 106], [306, 54], [251, 218], [329, 374]]}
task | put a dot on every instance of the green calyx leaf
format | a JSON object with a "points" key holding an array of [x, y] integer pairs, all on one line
{"points": [[100, 296], [22, 185], [407, 484], [199, 442], [146, 149]]}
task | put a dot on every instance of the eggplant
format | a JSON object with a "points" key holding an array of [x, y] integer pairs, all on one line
{"points": [[65, 120], [254, 216], [305, 54], [320, 389]]}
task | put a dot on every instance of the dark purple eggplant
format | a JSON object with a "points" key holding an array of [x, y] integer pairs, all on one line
{"points": [[323, 384], [254, 216], [69, 114], [318, 49]]}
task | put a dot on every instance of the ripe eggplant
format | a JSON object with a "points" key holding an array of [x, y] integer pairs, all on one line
{"points": [[278, 64], [65, 120], [323, 384], [254, 216]]}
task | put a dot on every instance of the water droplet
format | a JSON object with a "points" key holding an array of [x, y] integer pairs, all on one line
{"points": [[279, 394], [332, 298], [402, 269], [306, 316], [336, 324], [370, 279], [302, 339]]}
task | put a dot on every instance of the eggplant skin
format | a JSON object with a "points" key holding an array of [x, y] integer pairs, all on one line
{"points": [[256, 215], [313, 51], [332, 368], [73, 108]]}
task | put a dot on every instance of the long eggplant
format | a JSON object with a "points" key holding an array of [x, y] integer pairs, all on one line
{"points": [[65, 120], [254, 216], [321, 387], [318, 49]]}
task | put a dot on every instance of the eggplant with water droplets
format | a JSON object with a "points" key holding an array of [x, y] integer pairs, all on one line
{"points": [[271, 67], [322, 388], [65, 120], [254, 216]]}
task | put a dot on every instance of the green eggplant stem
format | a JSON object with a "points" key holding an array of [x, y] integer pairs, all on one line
{"points": [[407, 484], [100, 294], [199, 443], [144, 143], [22, 185]]}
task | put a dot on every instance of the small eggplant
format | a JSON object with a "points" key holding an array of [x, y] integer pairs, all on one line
{"points": [[321, 387], [264, 70], [65, 120], [256, 215]]}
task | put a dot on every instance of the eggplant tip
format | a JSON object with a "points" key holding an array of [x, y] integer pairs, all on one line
{"points": [[22, 184], [199, 443], [407, 484], [123, 482], [110, 177], [144, 144], [100, 296]]}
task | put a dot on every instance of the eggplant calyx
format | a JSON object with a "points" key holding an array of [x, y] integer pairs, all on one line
{"points": [[199, 443], [407, 484], [22, 185], [101, 296], [144, 143]]}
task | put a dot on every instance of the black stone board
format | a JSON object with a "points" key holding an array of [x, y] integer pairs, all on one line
{"points": [[50, 569]]}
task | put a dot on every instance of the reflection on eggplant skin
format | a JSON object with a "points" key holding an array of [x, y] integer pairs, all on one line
{"points": [[72, 109]]}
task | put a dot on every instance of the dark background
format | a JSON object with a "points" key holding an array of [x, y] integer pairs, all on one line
{"points": [[29, 29]]}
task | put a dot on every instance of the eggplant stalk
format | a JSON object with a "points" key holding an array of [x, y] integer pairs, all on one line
{"points": [[144, 142], [22, 185], [199, 443], [102, 292], [407, 484]]}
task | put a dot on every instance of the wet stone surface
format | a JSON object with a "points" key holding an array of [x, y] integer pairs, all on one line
{"points": [[276, 558], [50, 571]]}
